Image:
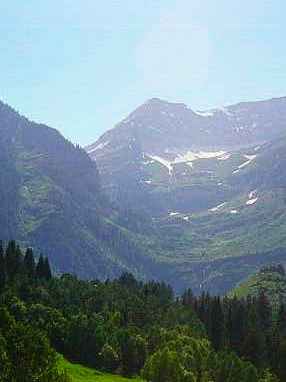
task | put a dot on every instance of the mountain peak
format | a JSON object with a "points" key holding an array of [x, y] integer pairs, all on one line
{"points": [[155, 101]]}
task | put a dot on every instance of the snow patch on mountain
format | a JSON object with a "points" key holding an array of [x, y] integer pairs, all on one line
{"points": [[249, 158], [100, 146], [162, 161], [186, 158], [191, 155], [252, 198], [215, 209], [251, 201], [252, 194], [206, 113], [224, 157]]}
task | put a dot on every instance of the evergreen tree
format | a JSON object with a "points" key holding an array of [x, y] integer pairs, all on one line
{"points": [[238, 327], [281, 323], [2, 267], [265, 317], [188, 298], [29, 263], [18, 261], [281, 357], [264, 312], [47, 269], [254, 344], [40, 268], [218, 329], [10, 259]]}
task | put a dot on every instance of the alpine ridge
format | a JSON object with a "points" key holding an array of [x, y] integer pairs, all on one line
{"points": [[212, 185]]}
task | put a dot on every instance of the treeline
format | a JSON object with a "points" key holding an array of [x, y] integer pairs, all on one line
{"points": [[122, 326], [277, 268], [251, 327], [25, 351], [14, 264]]}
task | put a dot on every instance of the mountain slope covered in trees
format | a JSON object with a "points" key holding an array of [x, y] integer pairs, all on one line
{"points": [[270, 280], [51, 199], [128, 327]]}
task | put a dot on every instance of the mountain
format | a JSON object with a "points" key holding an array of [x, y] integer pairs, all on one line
{"points": [[171, 157], [51, 199], [214, 248], [200, 219], [215, 201], [160, 126]]}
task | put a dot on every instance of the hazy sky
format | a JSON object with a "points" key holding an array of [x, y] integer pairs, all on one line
{"points": [[82, 65]]}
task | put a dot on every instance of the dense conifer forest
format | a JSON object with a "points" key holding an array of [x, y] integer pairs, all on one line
{"points": [[131, 328]]}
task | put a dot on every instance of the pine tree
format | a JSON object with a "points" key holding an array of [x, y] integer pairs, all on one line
{"points": [[201, 307], [217, 327], [188, 298], [10, 259], [254, 344], [265, 316], [282, 318], [264, 312], [237, 325], [18, 261], [40, 268], [29, 264], [2, 267], [207, 313], [47, 269], [281, 356]]}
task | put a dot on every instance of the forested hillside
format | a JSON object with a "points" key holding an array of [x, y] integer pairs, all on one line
{"points": [[127, 327], [51, 199], [270, 280]]}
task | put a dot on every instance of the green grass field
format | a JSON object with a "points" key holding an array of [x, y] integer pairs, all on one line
{"points": [[80, 373]]}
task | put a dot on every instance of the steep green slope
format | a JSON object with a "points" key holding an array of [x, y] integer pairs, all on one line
{"points": [[51, 199]]}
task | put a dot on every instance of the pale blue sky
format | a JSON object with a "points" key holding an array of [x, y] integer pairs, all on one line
{"points": [[82, 66]]}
